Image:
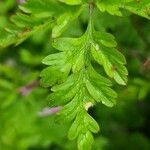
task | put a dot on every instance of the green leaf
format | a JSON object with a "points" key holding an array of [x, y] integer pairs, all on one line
{"points": [[92, 124], [98, 95], [71, 2], [79, 63], [69, 111], [75, 128], [85, 141], [55, 59], [141, 8], [68, 44], [37, 16], [106, 39], [110, 6], [113, 7], [61, 25], [67, 84], [83, 84], [113, 64], [41, 9], [63, 92], [51, 75]]}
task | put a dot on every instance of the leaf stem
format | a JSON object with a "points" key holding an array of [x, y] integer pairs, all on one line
{"points": [[91, 6]]}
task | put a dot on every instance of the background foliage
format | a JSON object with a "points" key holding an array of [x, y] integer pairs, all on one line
{"points": [[125, 126]]}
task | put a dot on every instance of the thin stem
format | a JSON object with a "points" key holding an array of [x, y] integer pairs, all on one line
{"points": [[91, 6]]}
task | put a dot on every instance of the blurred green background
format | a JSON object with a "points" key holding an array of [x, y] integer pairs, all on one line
{"points": [[125, 126]]}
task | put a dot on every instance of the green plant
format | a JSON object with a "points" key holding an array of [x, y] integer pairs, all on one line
{"points": [[77, 83]]}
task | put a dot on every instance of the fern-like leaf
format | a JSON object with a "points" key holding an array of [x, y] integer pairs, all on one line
{"points": [[79, 84], [36, 16], [113, 7], [74, 81]]}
